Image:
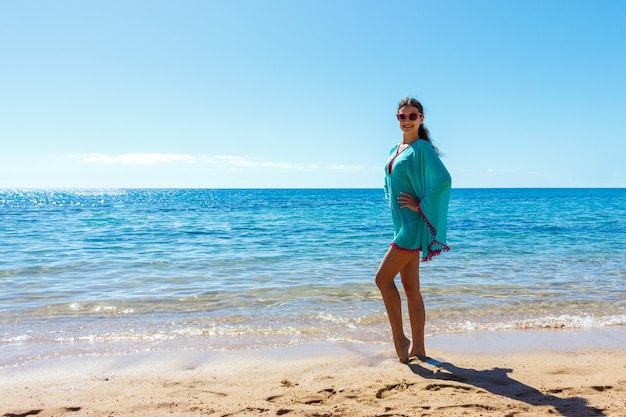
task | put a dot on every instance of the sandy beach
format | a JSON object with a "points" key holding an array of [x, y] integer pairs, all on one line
{"points": [[585, 376]]}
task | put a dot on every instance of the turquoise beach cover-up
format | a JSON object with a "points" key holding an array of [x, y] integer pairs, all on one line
{"points": [[417, 170]]}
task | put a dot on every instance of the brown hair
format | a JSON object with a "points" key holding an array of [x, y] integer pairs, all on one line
{"points": [[422, 133]]}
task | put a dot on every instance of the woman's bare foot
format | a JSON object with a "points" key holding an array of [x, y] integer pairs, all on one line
{"points": [[418, 351], [421, 355], [402, 349]]}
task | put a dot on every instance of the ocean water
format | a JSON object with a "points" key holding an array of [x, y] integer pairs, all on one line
{"points": [[88, 272]]}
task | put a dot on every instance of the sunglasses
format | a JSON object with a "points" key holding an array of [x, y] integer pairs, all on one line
{"points": [[412, 116]]}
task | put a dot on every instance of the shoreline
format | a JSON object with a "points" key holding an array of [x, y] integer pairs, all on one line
{"points": [[475, 341], [517, 373]]}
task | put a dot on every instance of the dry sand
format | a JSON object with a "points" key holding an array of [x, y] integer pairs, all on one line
{"points": [[572, 379]]}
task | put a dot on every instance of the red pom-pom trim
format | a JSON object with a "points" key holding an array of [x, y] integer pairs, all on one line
{"points": [[431, 252]]}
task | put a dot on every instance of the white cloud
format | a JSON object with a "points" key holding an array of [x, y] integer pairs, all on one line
{"points": [[139, 158], [247, 162], [233, 161], [348, 167]]}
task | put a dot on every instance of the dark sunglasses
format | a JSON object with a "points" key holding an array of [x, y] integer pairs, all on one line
{"points": [[412, 116]]}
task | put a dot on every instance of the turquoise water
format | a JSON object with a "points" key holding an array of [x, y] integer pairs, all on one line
{"points": [[105, 271]]}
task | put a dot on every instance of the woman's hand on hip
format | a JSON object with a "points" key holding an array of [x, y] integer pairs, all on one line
{"points": [[406, 200]]}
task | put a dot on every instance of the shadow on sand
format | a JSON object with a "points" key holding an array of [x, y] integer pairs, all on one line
{"points": [[497, 381]]}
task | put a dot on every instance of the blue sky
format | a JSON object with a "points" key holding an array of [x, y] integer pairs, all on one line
{"points": [[278, 93]]}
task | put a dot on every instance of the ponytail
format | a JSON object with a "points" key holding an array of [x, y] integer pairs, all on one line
{"points": [[422, 133]]}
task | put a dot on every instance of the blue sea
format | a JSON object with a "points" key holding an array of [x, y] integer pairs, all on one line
{"points": [[91, 272]]}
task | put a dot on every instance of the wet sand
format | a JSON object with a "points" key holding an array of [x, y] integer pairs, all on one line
{"points": [[521, 373]]}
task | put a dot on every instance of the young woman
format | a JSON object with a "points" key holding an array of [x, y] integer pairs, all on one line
{"points": [[417, 188]]}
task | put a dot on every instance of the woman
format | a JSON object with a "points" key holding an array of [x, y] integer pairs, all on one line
{"points": [[417, 188]]}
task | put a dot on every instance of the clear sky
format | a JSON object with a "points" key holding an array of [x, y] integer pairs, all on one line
{"points": [[289, 93]]}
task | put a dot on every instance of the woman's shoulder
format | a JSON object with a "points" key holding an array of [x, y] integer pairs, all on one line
{"points": [[425, 149], [418, 145], [421, 142]]}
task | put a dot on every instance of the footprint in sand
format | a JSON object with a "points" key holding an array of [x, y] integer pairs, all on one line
{"points": [[36, 412], [582, 390], [24, 414], [247, 411], [392, 389], [466, 406], [319, 399], [437, 387]]}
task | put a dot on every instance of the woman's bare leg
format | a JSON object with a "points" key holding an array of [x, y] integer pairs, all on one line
{"points": [[393, 262], [417, 313]]}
